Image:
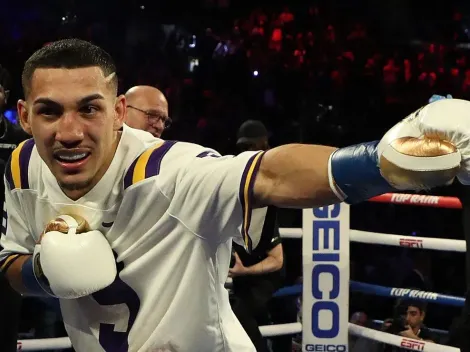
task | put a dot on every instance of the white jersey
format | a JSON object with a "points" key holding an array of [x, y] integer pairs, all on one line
{"points": [[169, 211]]}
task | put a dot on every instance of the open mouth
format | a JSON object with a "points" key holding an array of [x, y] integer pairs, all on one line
{"points": [[67, 157]]}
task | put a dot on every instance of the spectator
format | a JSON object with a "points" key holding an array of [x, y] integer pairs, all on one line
{"points": [[147, 110], [408, 322]]}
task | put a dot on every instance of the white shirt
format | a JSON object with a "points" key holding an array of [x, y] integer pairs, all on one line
{"points": [[169, 211]]}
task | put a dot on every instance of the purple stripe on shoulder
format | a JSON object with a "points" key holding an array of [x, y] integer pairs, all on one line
{"points": [[130, 174], [153, 164], [25, 157]]}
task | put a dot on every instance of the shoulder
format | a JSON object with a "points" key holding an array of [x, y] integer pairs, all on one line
{"points": [[17, 167], [147, 164], [166, 157], [426, 333]]}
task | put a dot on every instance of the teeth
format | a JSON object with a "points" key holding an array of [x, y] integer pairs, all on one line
{"points": [[73, 157]]}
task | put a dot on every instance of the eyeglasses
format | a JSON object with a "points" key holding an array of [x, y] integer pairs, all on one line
{"points": [[154, 117]]}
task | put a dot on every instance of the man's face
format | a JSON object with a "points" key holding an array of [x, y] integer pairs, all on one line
{"points": [[414, 317], [147, 112], [74, 116]]}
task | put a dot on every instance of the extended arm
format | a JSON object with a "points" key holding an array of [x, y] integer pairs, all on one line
{"points": [[425, 150], [295, 175]]}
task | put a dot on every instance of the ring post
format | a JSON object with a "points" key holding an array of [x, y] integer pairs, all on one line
{"points": [[325, 255]]}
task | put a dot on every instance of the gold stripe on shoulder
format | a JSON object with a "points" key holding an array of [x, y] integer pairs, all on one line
{"points": [[15, 165], [140, 166]]}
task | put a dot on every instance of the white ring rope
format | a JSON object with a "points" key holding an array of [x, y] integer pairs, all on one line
{"points": [[395, 340], [290, 232], [440, 244], [44, 344], [280, 329], [274, 330]]}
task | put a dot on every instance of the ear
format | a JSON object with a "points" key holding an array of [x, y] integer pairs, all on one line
{"points": [[22, 108], [120, 111]]}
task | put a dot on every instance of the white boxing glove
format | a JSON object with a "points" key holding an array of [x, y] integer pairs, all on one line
{"points": [[450, 120], [71, 265], [428, 148]]}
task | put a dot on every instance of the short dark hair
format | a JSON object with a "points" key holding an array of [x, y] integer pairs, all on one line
{"points": [[403, 304], [69, 54]]}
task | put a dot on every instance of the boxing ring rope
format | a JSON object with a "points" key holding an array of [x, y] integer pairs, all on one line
{"points": [[388, 239], [439, 244], [418, 200], [44, 344], [274, 330], [383, 291], [395, 340], [362, 237]]}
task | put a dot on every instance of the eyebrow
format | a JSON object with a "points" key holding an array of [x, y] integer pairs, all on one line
{"points": [[82, 101], [156, 111]]}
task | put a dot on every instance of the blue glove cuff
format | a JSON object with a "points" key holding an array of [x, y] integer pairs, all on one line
{"points": [[356, 172], [29, 276], [437, 97]]}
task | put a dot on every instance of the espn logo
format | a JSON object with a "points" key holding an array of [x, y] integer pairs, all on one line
{"points": [[412, 344], [411, 243]]}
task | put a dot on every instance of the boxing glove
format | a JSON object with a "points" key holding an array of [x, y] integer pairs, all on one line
{"points": [[73, 264], [427, 149], [418, 153], [437, 97]]}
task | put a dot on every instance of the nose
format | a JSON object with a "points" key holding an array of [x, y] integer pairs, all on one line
{"points": [[158, 125], [70, 130]]}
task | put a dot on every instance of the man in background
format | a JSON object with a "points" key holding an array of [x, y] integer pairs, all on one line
{"points": [[252, 135], [147, 110], [408, 322], [258, 275], [10, 303]]}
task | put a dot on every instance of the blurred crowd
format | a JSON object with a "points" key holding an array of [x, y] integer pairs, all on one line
{"points": [[325, 72]]}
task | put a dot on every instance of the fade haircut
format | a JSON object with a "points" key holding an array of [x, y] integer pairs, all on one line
{"points": [[69, 54]]}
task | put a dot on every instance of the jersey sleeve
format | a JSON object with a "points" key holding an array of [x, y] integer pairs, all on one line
{"points": [[15, 236], [213, 195], [270, 236]]}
